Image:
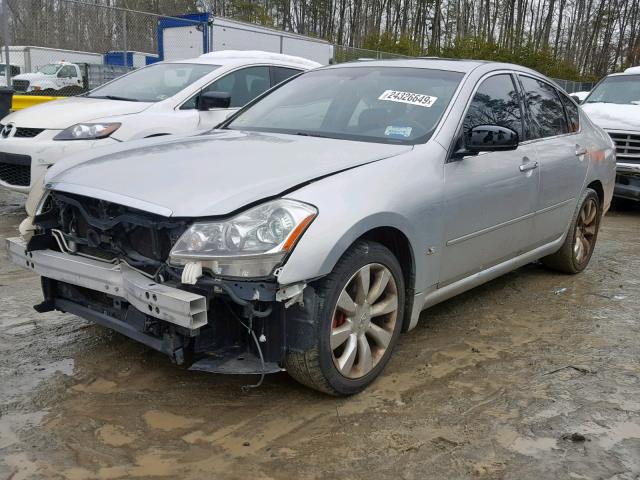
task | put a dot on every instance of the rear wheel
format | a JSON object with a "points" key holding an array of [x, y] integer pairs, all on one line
{"points": [[358, 320], [575, 253]]}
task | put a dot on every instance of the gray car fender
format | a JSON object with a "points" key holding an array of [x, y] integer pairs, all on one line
{"points": [[403, 193]]}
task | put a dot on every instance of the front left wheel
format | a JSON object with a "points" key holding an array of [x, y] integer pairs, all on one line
{"points": [[357, 321]]}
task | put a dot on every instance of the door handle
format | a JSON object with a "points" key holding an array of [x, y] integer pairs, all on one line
{"points": [[525, 167], [580, 151]]}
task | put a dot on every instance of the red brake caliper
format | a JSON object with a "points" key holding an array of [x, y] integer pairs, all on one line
{"points": [[338, 319]]}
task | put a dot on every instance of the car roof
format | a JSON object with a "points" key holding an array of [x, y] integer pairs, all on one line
{"points": [[438, 63], [235, 57], [628, 71]]}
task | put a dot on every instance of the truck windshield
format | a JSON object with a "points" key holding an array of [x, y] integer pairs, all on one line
{"points": [[363, 103], [49, 69], [620, 89], [153, 83]]}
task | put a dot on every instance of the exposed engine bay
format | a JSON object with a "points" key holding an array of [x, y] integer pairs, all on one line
{"points": [[249, 324]]}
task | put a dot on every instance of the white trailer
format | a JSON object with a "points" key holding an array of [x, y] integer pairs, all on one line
{"points": [[193, 35]]}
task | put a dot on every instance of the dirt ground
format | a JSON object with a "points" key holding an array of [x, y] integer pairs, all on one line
{"points": [[534, 375]]}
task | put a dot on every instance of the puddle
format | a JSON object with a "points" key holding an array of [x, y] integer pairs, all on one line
{"points": [[530, 446], [619, 433], [169, 421], [115, 435], [99, 385]]}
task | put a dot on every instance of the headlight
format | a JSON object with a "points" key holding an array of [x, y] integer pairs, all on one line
{"points": [[43, 204], [251, 244], [87, 131]]}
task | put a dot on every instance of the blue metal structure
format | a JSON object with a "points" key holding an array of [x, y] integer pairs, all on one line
{"points": [[198, 19]]}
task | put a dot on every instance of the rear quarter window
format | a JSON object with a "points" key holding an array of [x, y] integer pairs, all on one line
{"points": [[573, 113], [280, 74]]}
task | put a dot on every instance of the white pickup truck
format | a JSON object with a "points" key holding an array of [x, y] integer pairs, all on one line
{"points": [[66, 78]]}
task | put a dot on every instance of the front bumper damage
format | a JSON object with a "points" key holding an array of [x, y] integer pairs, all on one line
{"points": [[175, 306], [215, 325]]}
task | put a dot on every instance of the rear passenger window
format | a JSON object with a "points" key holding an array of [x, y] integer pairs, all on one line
{"points": [[496, 102], [280, 74], [573, 114], [547, 112]]}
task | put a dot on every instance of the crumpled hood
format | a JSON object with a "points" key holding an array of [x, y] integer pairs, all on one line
{"points": [[210, 174], [611, 116], [60, 114]]}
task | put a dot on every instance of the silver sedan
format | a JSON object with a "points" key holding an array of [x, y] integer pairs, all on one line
{"points": [[313, 227]]}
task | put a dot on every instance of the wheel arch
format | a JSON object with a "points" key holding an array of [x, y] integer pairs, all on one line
{"points": [[156, 135], [398, 243], [596, 185]]}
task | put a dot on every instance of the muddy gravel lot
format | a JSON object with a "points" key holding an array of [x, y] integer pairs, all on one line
{"points": [[534, 375]]}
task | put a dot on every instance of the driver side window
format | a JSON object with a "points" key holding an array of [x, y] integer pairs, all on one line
{"points": [[67, 72], [496, 102], [243, 85]]}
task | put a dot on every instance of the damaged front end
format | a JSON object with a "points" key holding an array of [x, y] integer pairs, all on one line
{"points": [[158, 280]]}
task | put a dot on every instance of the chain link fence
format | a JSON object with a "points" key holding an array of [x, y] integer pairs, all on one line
{"points": [[571, 86], [343, 53]]}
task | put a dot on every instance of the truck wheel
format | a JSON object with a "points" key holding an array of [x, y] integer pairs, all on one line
{"points": [[49, 92], [575, 253], [357, 318]]}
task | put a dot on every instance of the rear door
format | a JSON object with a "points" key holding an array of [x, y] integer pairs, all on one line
{"points": [[490, 197], [561, 150]]}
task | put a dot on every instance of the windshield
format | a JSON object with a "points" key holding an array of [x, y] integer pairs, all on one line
{"points": [[620, 89], [49, 69], [153, 83], [376, 104]]}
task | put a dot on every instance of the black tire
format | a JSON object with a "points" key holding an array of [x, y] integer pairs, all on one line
{"points": [[564, 260], [315, 367]]}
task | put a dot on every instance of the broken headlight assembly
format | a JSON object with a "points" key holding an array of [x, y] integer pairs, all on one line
{"points": [[250, 244], [87, 131]]}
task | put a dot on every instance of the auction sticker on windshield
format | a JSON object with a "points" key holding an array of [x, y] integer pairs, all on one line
{"points": [[408, 97]]}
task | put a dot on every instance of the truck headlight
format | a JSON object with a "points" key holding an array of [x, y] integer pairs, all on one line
{"points": [[87, 131], [250, 244]]}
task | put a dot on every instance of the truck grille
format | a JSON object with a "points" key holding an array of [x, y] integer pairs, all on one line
{"points": [[23, 132], [15, 169], [627, 146], [20, 85]]}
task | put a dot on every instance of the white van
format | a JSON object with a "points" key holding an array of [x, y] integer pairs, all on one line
{"points": [[160, 99]]}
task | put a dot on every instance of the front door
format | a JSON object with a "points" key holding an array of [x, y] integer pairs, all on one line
{"points": [[490, 198], [243, 85]]}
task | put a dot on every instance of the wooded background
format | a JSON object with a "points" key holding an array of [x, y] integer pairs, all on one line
{"points": [[571, 39]]}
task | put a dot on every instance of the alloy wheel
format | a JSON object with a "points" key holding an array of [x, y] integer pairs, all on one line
{"points": [[364, 320], [585, 232]]}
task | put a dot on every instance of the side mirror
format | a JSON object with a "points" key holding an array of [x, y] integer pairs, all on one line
{"points": [[490, 138], [208, 100]]}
